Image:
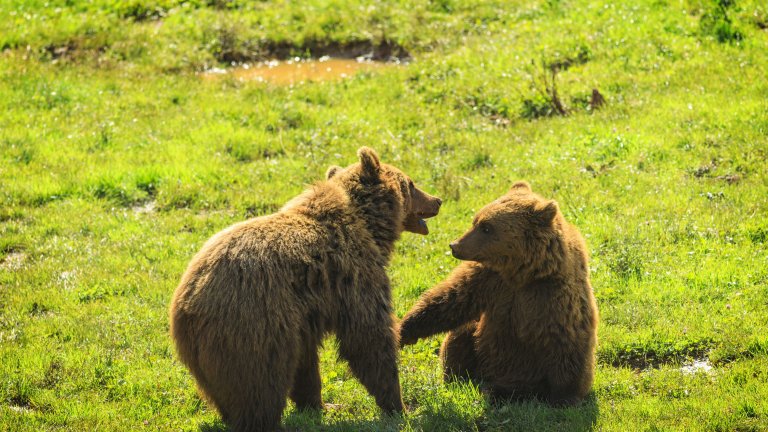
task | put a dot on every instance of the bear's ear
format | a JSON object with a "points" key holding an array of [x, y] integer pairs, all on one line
{"points": [[521, 185], [332, 170], [545, 213], [369, 162]]}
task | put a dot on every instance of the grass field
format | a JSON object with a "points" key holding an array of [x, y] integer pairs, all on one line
{"points": [[117, 161]]}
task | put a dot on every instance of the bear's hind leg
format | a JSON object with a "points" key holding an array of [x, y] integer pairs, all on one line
{"points": [[257, 400], [249, 382], [252, 401], [565, 390], [458, 355]]}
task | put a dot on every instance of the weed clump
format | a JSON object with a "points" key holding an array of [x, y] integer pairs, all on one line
{"points": [[715, 22], [494, 107], [227, 46], [581, 56], [546, 101], [144, 10], [596, 101]]}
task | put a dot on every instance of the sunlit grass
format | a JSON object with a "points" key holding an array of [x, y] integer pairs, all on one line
{"points": [[117, 161]]}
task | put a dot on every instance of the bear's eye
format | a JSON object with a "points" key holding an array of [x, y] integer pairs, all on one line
{"points": [[485, 228]]}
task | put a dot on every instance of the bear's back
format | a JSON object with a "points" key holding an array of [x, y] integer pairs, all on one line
{"points": [[297, 255]]}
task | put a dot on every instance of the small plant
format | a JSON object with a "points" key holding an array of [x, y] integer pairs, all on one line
{"points": [[450, 185], [547, 100], [489, 105], [477, 161], [590, 101], [25, 155], [596, 101], [224, 4], [228, 45], [716, 22], [579, 56], [143, 10]]}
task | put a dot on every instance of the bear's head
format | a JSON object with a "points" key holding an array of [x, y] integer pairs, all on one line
{"points": [[510, 231], [382, 188]]}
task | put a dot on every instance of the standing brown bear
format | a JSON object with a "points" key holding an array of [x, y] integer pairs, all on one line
{"points": [[520, 309], [254, 304]]}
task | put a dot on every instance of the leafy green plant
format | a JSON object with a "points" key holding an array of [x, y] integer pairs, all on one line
{"points": [[546, 100], [716, 22]]}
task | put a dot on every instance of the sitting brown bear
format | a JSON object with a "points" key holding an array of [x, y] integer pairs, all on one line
{"points": [[255, 303], [520, 309]]}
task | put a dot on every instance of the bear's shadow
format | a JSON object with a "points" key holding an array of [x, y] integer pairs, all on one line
{"points": [[528, 416]]}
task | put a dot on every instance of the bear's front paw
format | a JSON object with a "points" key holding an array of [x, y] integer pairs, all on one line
{"points": [[407, 339]]}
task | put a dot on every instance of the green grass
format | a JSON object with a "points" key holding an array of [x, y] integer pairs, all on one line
{"points": [[117, 161]]}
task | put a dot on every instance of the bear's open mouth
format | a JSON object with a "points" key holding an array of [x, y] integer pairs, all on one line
{"points": [[416, 223]]}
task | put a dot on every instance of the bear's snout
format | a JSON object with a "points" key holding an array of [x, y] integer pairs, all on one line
{"points": [[455, 250], [430, 207], [423, 206]]}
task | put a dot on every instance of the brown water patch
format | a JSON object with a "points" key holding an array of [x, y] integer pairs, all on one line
{"points": [[297, 71]]}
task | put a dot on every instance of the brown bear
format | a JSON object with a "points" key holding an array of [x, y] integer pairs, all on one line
{"points": [[520, 311], [254, 304]]}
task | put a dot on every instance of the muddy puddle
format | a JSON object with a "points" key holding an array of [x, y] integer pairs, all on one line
{"points": [[297, 70]]}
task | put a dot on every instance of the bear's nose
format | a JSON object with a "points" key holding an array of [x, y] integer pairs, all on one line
{"points": [[453, 246], [439, 202]]}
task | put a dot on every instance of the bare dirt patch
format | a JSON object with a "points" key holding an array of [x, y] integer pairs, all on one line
{"points": [[13, 261], [653, 357], [232, 50], [147, 207], [697, 366]]}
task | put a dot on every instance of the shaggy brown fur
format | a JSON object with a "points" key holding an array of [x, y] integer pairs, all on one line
{"points": [[520, 310], [254, 304]]}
